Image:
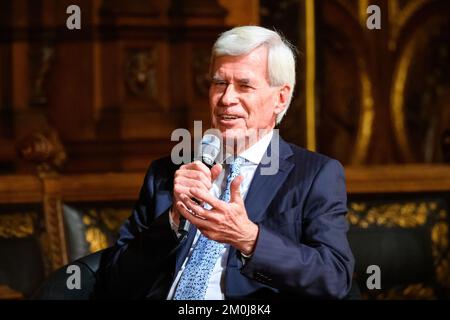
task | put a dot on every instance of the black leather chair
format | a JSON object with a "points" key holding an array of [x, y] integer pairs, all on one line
{"points": [[55, 287]]}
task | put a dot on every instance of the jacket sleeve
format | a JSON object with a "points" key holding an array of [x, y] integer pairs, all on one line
{"points": [[142, 258], [320, 264]]}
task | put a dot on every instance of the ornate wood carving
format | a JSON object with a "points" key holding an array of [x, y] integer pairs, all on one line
{"points": [[54, 238], [41, 62], [141, 73], [419, 99], [44, 149], [17, 225], [377, 84]]}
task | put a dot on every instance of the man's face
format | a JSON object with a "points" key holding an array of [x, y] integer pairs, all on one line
{"points": [[241, 99]]}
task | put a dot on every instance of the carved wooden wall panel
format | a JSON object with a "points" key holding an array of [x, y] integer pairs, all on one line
{"points": [[420, 100], [116, 89], [382, 93], [376, 96]]}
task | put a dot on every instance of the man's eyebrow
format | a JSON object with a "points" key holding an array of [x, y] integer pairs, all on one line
{"points": [[244, 81], [217, 78]]}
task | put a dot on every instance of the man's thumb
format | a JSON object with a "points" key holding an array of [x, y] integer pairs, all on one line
{"points": [[235, 189]]}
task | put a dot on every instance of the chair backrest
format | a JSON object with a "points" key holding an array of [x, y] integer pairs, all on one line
{"points": [[62, 284]]}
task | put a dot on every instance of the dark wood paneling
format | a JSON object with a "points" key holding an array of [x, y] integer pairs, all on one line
{"points": [[113, 91]]}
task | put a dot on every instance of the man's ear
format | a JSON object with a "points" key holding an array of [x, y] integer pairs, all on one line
{"points": [[282, 98]]}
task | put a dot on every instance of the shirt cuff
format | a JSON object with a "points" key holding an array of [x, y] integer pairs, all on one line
{"points": [[245, 257], [173, 225]]}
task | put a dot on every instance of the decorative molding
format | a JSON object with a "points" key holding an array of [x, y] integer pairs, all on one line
{"points": [[54, 239], [44, 149], [419, 92], [397, 179], [417, 291], [397, 99], [141, 73], [311, 141], [367, 115], [440, 250], [403, 215], [41, 60], [399, 16], [362, 12], [98, 222], [17, 225]]}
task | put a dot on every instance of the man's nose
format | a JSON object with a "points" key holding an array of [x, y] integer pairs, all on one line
{"points": [[229, 96]]}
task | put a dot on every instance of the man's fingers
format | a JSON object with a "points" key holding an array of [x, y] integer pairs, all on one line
{"points": [[190, 183], [199, 223], [179, 190], [196, 175], [215, 171], [192, 206], [183, 210], [204, 196], [198, 165], [235, 192]]}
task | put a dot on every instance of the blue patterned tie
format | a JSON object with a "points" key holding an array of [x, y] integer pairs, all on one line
{"points": [[195, 277]]}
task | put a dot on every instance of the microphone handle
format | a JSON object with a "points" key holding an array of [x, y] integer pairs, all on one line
{"points": [[183, 227]]}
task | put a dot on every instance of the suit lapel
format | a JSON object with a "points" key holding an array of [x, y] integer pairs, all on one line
{"points": [[264, 187]]}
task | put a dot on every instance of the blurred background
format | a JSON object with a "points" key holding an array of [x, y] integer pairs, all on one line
{"points": [[84, 112]]}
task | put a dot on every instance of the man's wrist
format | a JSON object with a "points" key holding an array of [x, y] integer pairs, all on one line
{"points": [[174, 216], [173, 224], [249, 246]]}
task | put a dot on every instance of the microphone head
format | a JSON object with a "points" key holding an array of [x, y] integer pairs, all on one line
{"points": [[210, 149]]}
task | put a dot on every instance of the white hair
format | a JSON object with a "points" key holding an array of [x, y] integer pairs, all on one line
{"points": [[280, 54]]}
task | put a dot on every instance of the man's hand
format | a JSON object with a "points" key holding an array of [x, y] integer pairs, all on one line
{"points": [[192, 175], [225, 222]]}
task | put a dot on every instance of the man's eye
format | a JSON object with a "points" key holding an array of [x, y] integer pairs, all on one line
{"points": [[219, 83]]}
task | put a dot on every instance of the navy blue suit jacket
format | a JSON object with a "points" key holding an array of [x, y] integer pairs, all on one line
{"points": [[301, 250]]}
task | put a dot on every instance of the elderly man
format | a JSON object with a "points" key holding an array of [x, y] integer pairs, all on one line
{"points": [[251, 235]]}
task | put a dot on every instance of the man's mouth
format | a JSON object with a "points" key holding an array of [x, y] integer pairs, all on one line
{"points": [[228, 117]]}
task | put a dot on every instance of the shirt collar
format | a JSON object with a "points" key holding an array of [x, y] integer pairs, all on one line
{"points": [[255, 153]]}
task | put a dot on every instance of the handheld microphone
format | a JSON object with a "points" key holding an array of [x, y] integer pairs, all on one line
{"points": [[210, 148]]}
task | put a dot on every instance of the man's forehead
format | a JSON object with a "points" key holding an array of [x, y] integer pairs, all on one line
{"points": [[242, 72], [257, 58], [240, 75]]}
